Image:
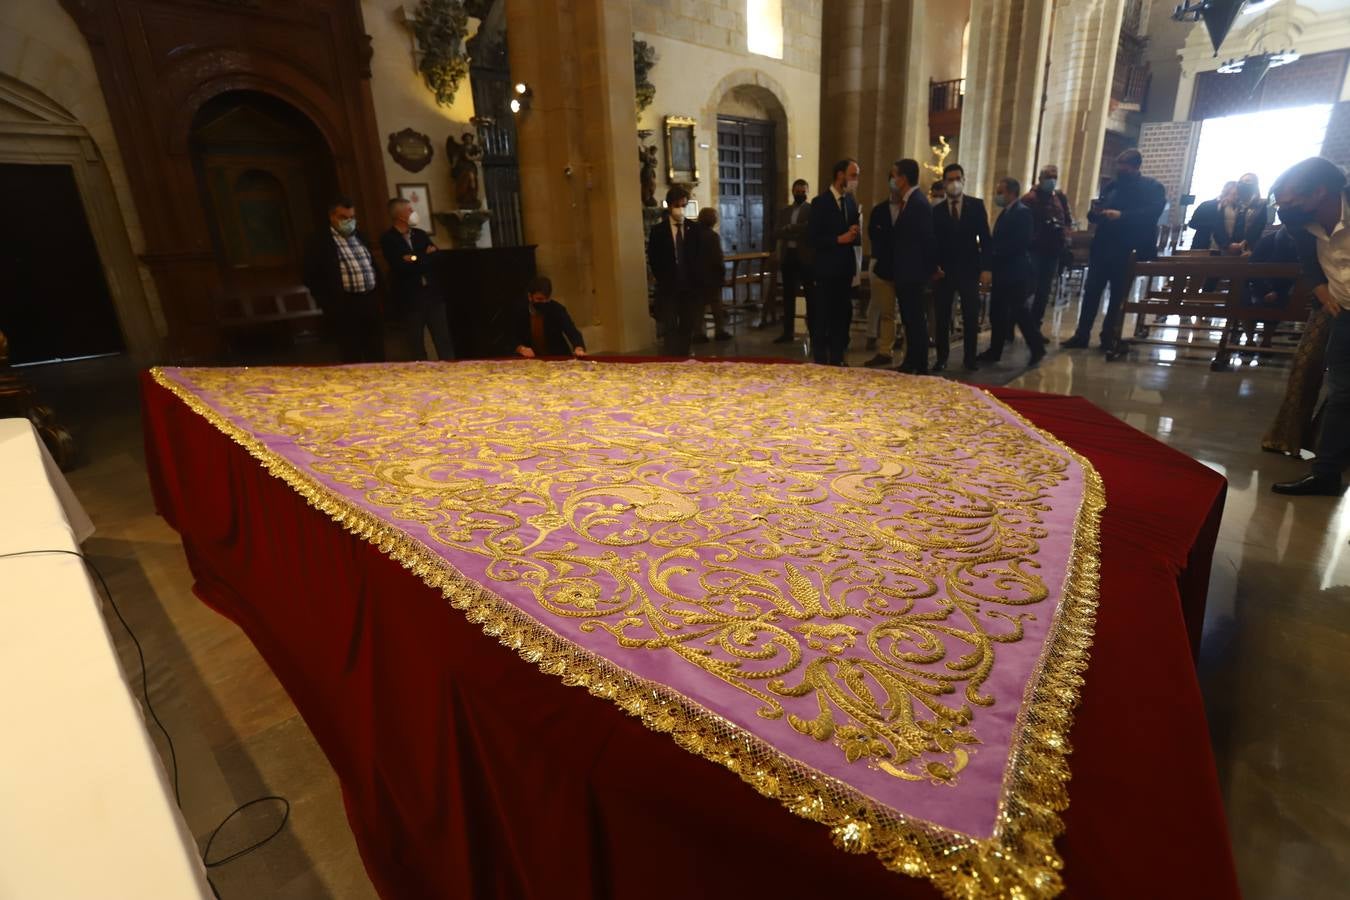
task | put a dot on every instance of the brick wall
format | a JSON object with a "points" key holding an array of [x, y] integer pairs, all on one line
{"points": [[1169, 150], [1336, 146], [720, 24]]}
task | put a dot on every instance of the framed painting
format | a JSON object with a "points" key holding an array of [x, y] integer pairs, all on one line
{"points": [[420, 198], [681, 164]]}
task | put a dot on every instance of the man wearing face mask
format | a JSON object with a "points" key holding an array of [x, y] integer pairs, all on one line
{"points": [[1011, 274], [794, 257], [961, 229], [833, 230], [407, 251], [915, 262], [672, 251], [1314, 205], [340, 273], [1052, 220], [1127, 221], [1252, 215]]}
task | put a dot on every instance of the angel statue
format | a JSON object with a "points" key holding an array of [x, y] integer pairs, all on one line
{"points": [[465, 155], [941, 150]]}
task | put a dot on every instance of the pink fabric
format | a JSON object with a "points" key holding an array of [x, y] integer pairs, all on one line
{"points": [[264, 404]]}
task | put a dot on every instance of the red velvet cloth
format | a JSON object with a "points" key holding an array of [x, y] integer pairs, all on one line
{"points": [[468, 773]]}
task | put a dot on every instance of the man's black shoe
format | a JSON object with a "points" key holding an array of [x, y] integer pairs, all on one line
{"points": [[784, 339], [1311, 486], [1074, 343]]}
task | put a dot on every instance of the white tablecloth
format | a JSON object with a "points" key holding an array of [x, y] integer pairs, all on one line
{"points": [[86, 808]]}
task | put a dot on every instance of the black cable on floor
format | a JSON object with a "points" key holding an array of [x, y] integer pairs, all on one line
{"points": [[173, 753]]}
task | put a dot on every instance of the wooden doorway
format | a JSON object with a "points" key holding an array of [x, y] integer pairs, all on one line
{"points": [[54, 299], [266, 175], [746, 176]]}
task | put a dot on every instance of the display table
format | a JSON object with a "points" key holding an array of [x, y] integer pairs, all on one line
{"points": [[87, 809], [468, 772]]}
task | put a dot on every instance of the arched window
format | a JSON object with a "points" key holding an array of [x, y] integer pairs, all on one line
{"points": [[764, 27]]}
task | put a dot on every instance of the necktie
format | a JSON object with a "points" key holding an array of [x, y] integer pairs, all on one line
{"points": [[679, 244], [956, 214]]}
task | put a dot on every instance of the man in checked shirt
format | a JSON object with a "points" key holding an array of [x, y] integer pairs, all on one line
{"points": [[341, 275]]}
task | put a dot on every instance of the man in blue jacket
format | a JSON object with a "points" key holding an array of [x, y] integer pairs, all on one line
{"points": [[961, 226], [1127, 221], [833, 230], [1012, 276], [1315, 207]]}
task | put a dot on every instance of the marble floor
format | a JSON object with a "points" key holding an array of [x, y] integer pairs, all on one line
{"points": [[1274, 662]]}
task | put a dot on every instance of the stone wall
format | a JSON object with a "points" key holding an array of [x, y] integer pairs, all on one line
{"points": [[720, 25], [1169, 150]]}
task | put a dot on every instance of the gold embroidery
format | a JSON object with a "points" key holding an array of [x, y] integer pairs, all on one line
{"points": [[912, 511]]}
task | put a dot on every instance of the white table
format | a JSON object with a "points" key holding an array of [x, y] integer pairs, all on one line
{"points": [[86, 807]]}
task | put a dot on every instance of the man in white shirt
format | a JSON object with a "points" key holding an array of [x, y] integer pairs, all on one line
{"points": [[1315, 207]]}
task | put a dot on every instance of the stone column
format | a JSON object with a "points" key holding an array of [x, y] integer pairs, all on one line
{"points": [[1078, 101], [871, 61], [578, 162], [1004, 81]]}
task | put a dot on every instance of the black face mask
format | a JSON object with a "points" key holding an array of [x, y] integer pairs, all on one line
{"points": [[798, 199], [1295, 216], [1246, 192], [1126, 174]]}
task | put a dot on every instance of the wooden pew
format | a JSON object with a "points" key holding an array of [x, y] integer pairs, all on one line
{"points": [[286, 314], [1213, 287], [751, 279]]}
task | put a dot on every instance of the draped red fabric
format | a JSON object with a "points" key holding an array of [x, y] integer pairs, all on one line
{"points": [[468, 773]]}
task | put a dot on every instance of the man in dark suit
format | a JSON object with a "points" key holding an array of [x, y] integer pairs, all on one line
{"points": [[1012, 274], [961, 228], [407, 251], [794, 257], [672, 248], [341, 276], [541, 326], [915, 255], [1127, 221], [833, 231]]}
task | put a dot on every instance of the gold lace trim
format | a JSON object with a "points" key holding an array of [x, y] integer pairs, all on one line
{"points": [[1019, 861]]}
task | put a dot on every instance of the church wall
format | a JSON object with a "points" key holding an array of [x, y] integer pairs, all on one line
{"points": [[402, 100], [41, 46], [700, 59]]}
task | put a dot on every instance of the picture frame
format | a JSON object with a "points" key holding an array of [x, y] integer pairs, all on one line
{"points": [[681, 150], [411, 149], [419, 195]]}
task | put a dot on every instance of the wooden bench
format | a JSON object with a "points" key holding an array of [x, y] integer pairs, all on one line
{"points": [[291, 310], [750, 287], [1213, 288]]}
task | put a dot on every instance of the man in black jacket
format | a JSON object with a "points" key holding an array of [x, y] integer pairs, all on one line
{"points": [[794, 257], [1127, 221], [417, 301], [961, 229], [341, 276], [672, 248], [833, 230], [1315, 207], [1053, 222], [543, 327], [1012, 276], [915, 262]]}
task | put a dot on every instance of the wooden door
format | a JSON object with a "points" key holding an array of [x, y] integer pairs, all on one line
{"points": [[745, 183], [54, 299]]}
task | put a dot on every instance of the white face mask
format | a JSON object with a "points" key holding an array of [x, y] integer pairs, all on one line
{"points": [[414, 220], [850, 186], [954, 188], [677, 214]]}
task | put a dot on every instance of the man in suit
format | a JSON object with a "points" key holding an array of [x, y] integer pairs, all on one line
{"points": [[1314, 205], [1127, 221], [961, 228], [833, 231], [407, 252], [1011, 274], [341, 276], [881, 234], [794, 257], [672, 248], [1053, 218], [541, 326], [915, 254]]}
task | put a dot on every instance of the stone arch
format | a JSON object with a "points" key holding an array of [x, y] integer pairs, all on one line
{"points": [[37, 129], [763, 89]]}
